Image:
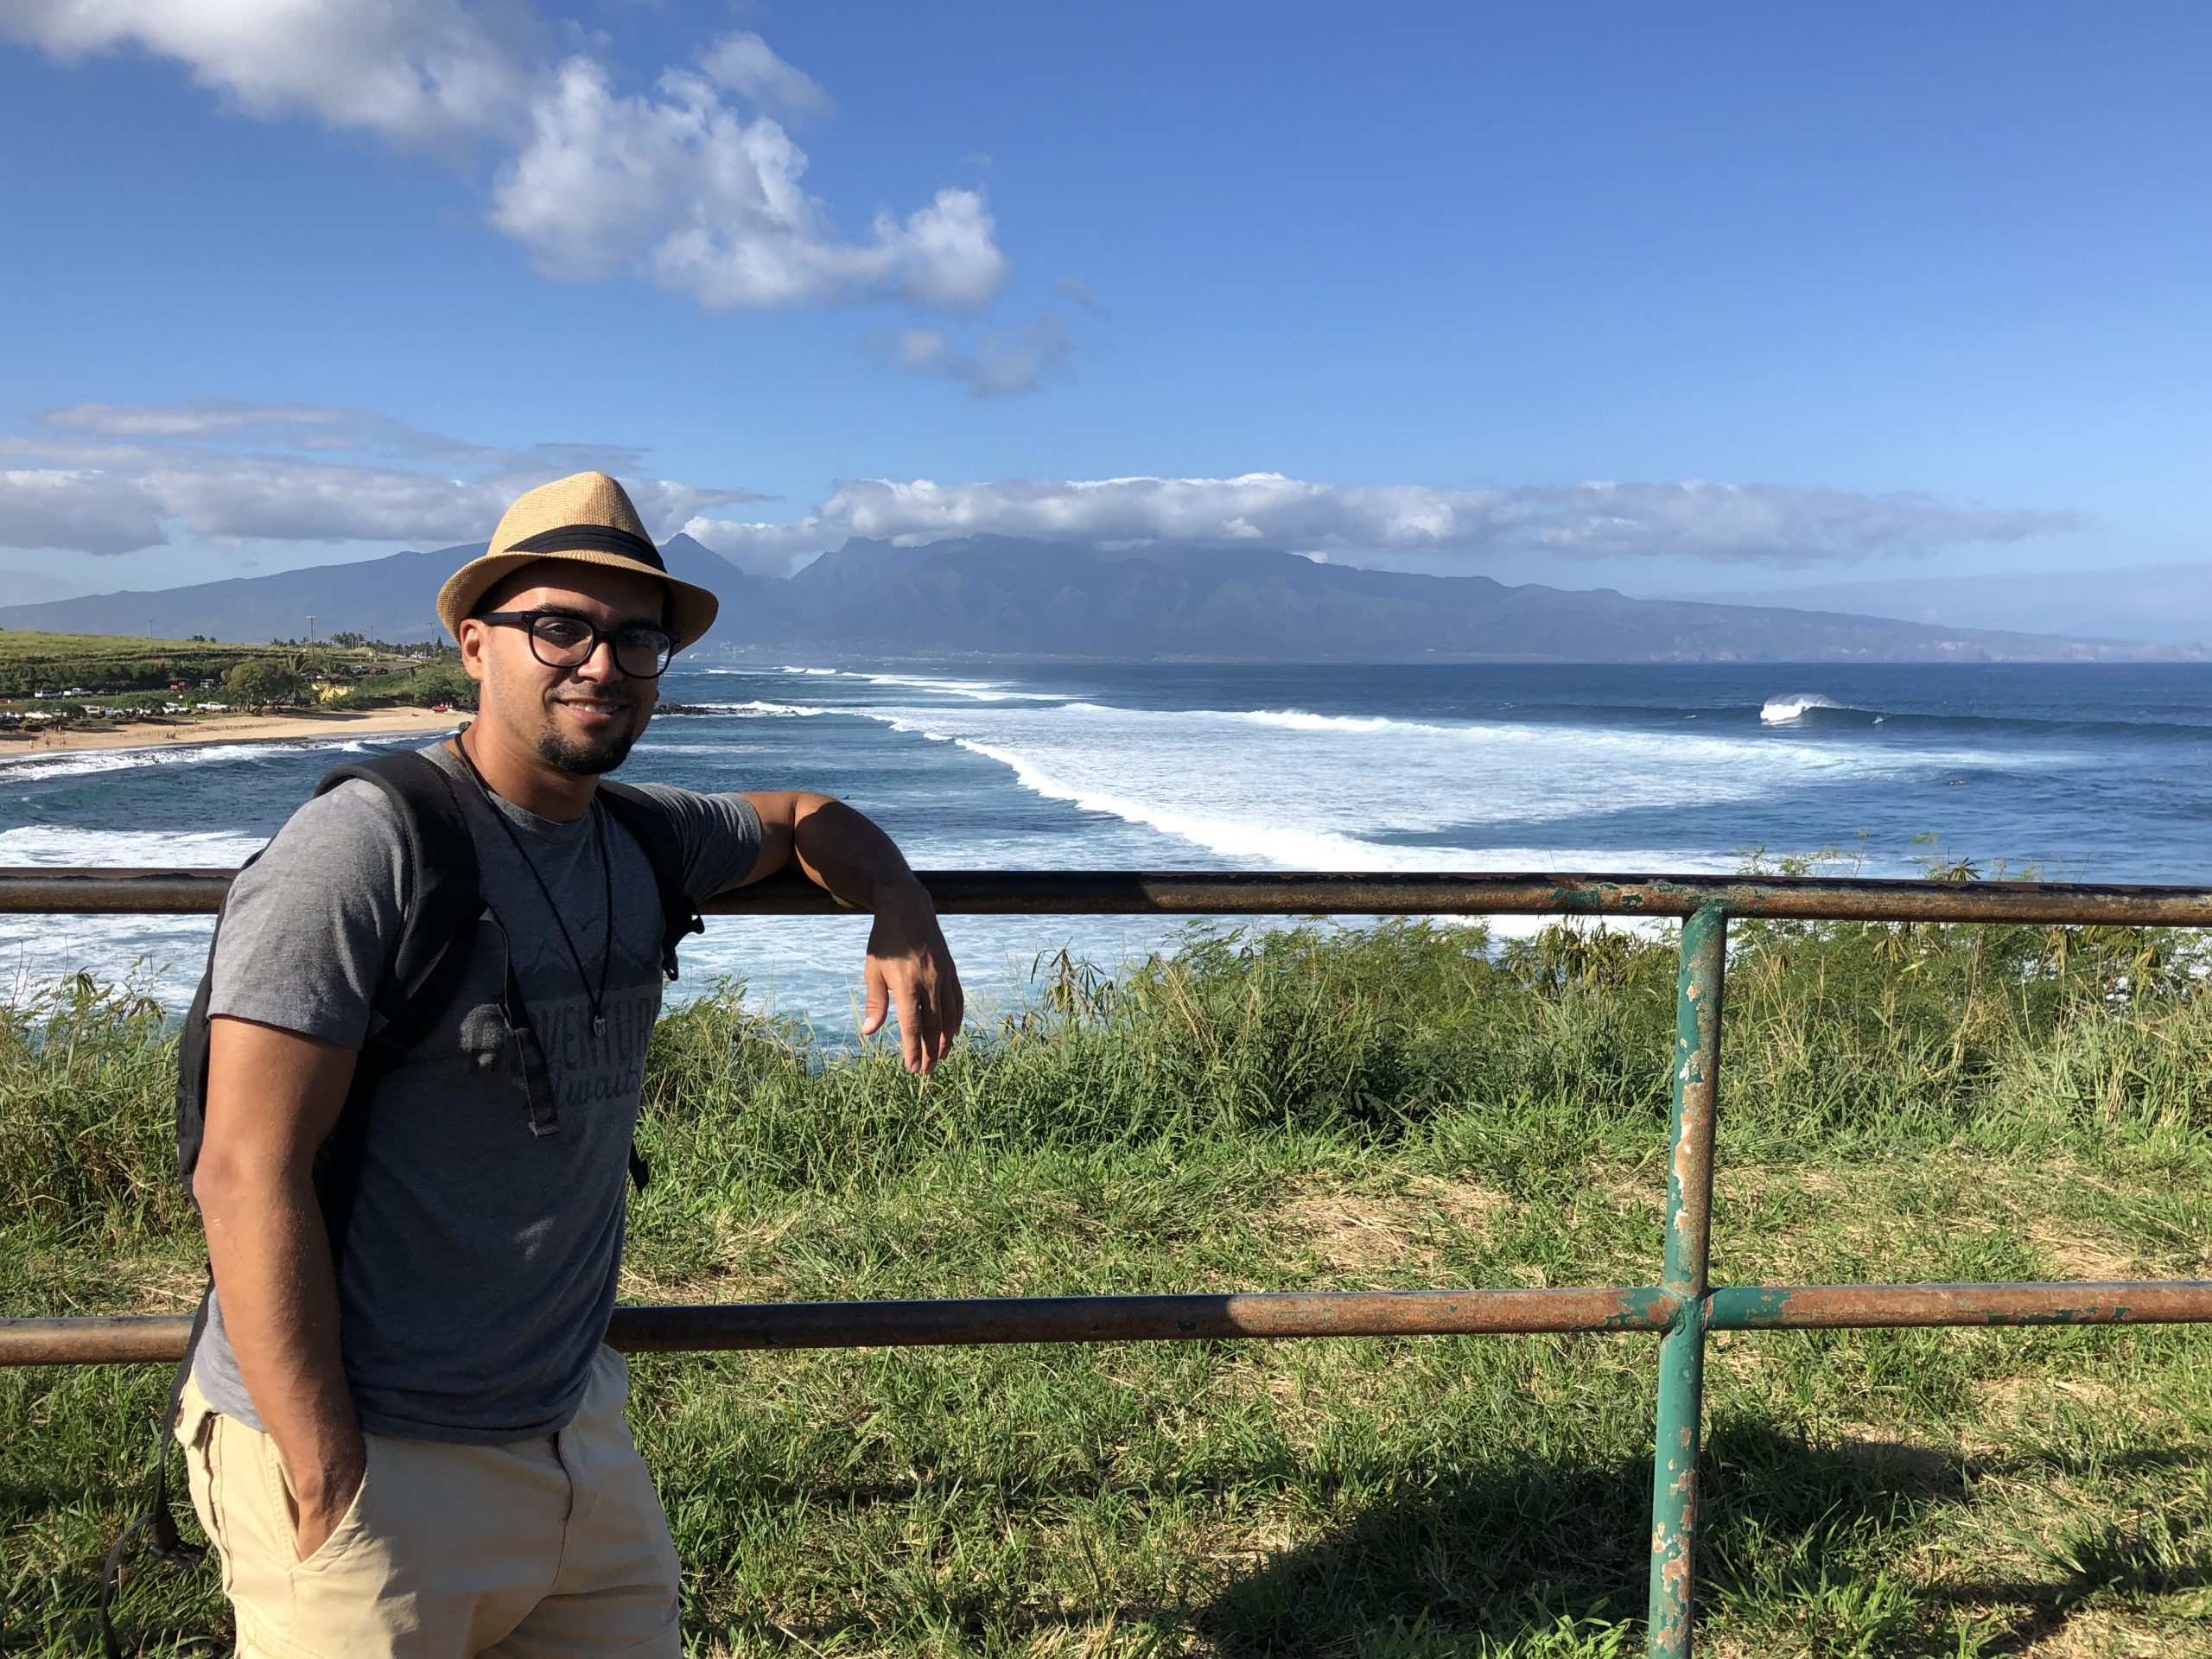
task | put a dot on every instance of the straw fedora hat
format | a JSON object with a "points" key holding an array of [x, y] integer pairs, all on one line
{"points": [[585, 517]]}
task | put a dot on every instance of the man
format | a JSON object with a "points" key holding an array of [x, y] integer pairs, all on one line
{"points": [[420, 1451]]}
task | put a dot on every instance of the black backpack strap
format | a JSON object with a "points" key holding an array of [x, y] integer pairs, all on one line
{"points": [[646, 819], [441, 909], [443, 904]]}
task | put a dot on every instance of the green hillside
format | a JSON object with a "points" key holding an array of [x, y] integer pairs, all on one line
{"points": [[31, 662], [50, 676]]}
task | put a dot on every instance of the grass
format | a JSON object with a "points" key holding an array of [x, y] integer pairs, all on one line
{"points": [[1405, 1106]]}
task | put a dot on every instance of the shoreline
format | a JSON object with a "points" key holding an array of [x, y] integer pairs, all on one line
{"points": [[233, 728]]}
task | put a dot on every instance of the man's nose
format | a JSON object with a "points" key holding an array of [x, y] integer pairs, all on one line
{"points": [[600, 664]]}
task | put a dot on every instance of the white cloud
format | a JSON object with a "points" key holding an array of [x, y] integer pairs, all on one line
{"points": [[677, 186], [997, 366], [289, 499], [295, 426], [75, 507], [106, 479], [200, 417], [690, 194], [282, 478], [420, 73], [744, 63], [1770, 524], [1775, 524]]}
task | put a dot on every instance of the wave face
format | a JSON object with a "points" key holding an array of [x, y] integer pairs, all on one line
{"points": [[1796, 705], [2101, 772]]}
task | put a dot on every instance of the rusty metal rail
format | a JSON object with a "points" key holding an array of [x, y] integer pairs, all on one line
{"points": [[1261, 893], [1681, 1309], [725, 1327]]}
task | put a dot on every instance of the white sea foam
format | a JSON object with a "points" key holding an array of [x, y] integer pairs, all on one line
{"points": [[37, 949], [975, 690], [136, 850], [768, 710], [1298, 720], [85, 763], [1796, 705], [1292, 789], [1228, 837]]}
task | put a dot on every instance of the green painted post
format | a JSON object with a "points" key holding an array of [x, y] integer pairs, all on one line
{"points": [[1695, 1089]]}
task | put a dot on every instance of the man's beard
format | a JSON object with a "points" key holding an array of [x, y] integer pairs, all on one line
{"points": [[582, 759]]}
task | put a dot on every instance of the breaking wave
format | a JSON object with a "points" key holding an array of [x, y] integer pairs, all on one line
{"points": [[85, 763], [1796, 705]]}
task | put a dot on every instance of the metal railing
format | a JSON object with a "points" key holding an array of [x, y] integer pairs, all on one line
{"points": [[1681, 1309]]}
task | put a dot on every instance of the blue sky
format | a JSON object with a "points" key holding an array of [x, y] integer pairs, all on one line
{"points": [[1819, 296]]}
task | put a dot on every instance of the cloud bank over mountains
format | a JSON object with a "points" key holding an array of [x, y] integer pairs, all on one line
{"points": [[693, 185], [1781, 526], [106, 479]]}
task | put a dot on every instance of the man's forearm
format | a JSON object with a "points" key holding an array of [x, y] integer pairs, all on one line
{"points": [[908, 969], [842, 851], [271, 1254]]}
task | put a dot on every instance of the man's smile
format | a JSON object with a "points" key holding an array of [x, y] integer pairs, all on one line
{"points": [[596, 710]]}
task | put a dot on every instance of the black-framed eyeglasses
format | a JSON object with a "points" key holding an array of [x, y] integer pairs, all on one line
{"points": [[559, 639]]}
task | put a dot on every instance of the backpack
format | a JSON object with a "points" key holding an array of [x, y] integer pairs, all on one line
{"points": [[418, 984]]}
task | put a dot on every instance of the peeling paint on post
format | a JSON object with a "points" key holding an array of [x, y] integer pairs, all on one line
{"points": [[1696, 1088]]}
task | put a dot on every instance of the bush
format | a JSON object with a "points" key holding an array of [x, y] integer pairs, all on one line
{"points": [[443, 682], [262, 684], [426, 687]]}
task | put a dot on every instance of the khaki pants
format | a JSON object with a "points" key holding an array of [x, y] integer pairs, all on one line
{"points": [[543, 1549]]}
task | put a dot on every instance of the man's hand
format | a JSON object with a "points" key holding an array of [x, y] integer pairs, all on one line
{"points": [[909, 968], [320, 1504]]}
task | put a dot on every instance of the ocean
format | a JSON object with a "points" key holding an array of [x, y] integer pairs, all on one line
{"points": [[2082, 771]]}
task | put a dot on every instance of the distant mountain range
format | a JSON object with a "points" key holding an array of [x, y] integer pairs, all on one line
{"points": [[995, 596]]}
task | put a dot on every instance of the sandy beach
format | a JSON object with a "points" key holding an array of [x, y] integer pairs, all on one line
{"points": [[234, 728]]}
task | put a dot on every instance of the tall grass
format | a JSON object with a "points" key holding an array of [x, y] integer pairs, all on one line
{"points": [[1862, 1030], [1402, 1104]]}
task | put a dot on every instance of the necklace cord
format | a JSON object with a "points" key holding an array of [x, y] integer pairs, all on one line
{"points": [[606, 886]]}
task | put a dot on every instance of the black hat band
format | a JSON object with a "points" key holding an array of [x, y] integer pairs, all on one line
{"points": [[592, 538]]}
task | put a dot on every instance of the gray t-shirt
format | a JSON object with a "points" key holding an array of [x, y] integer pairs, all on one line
{"points": [[481, 1261]]}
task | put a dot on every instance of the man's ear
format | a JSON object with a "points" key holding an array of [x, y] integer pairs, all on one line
{"points": [[473, 637]]}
